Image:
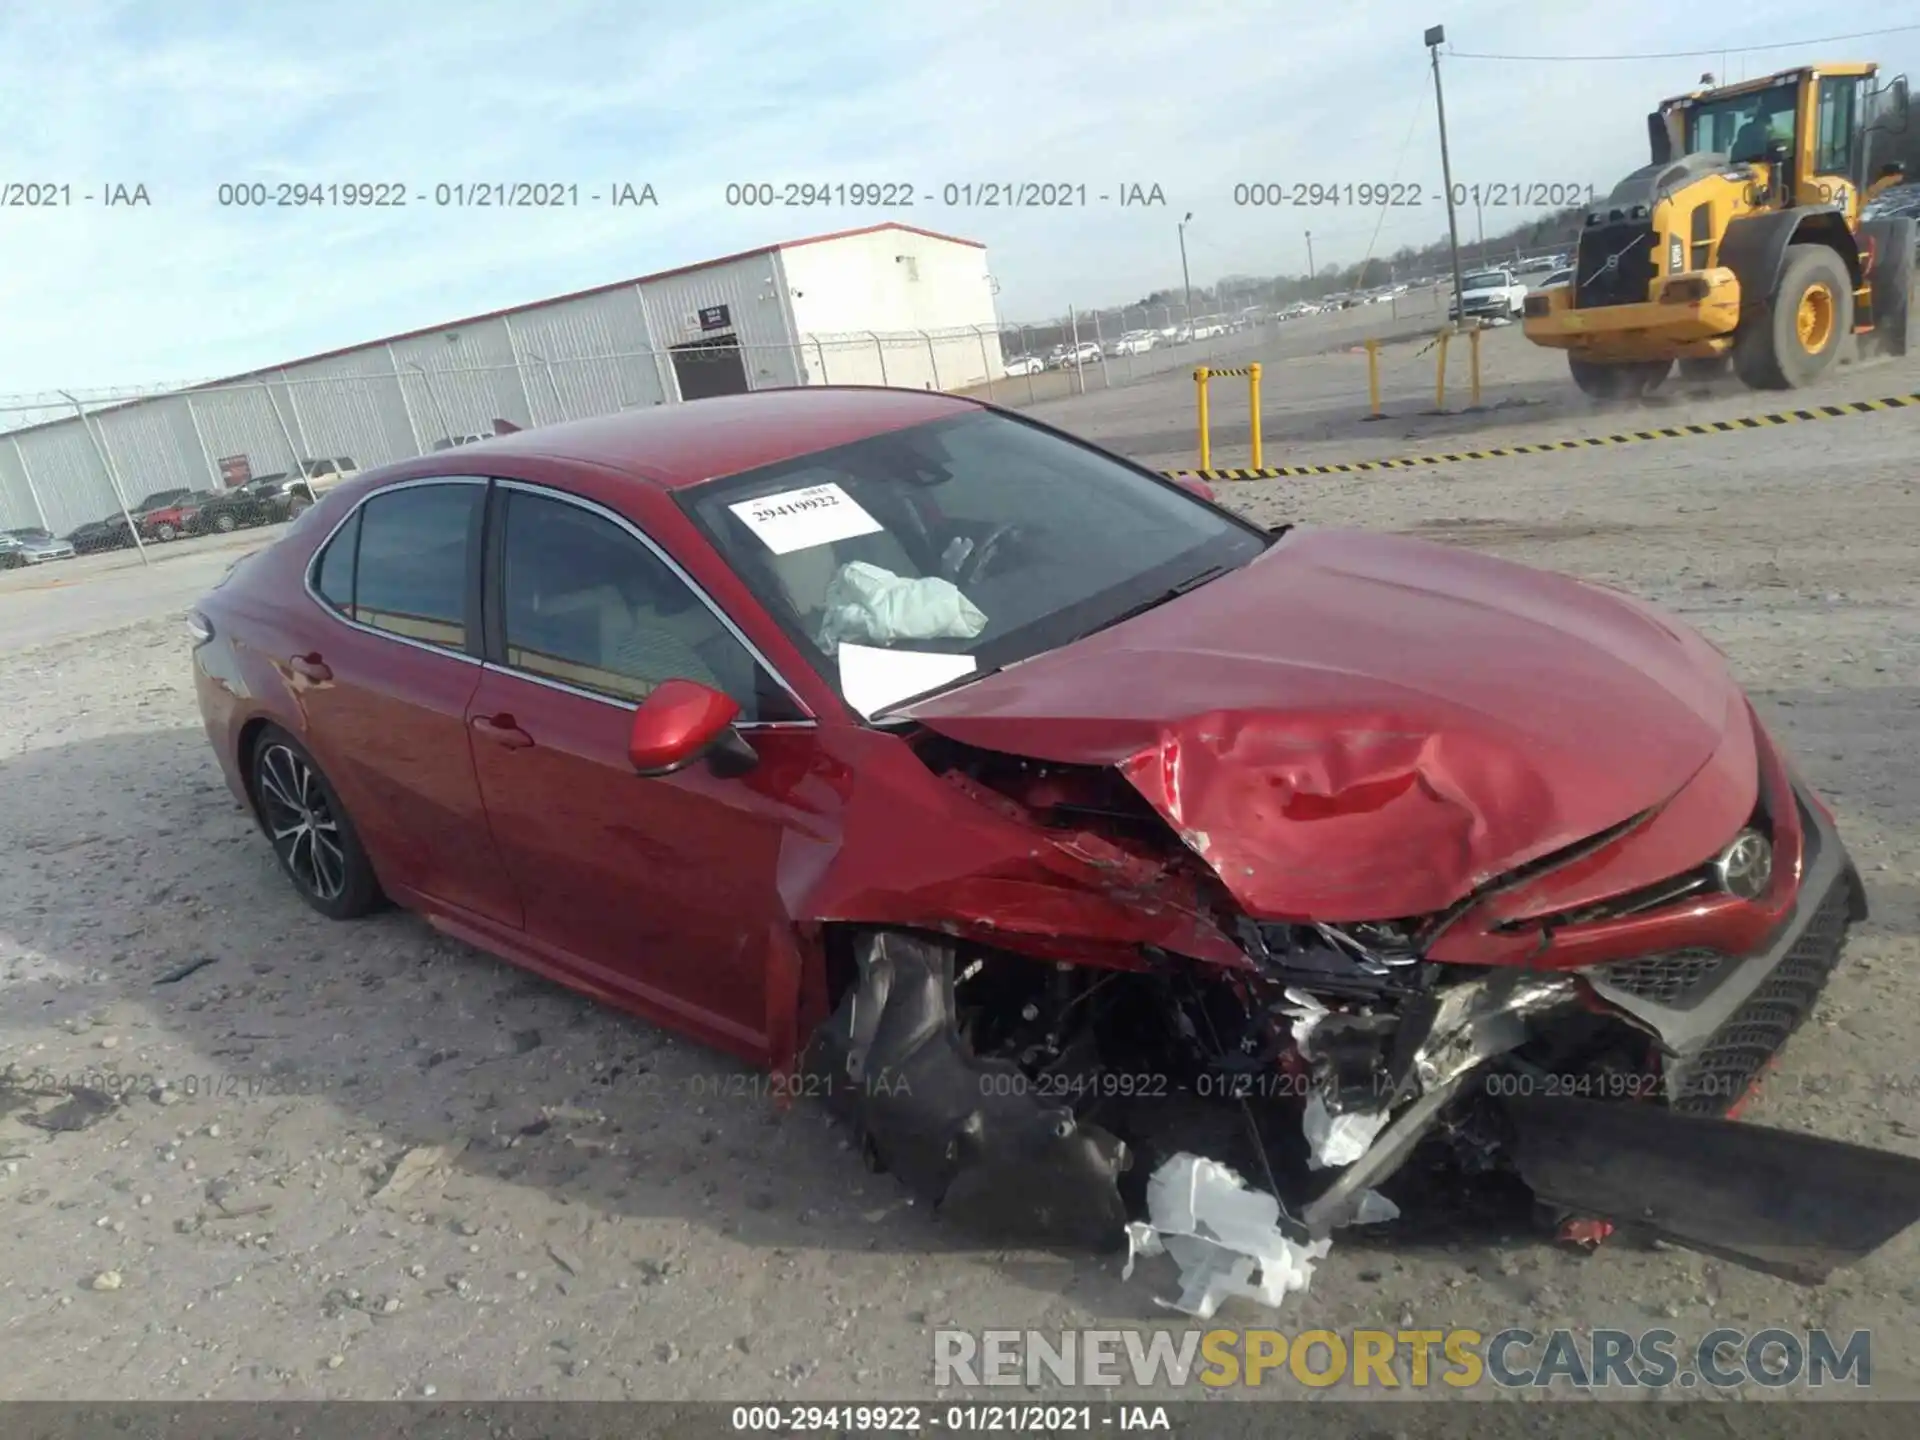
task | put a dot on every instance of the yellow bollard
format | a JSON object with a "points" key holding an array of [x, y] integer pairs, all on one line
{"points": [[1253, 400], [1440, 373], [1373, 377], [1473, 350], [1200, 387]]}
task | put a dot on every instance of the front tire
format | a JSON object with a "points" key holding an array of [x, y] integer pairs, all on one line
{"points": [[225, 523], [1625, 381], [1794, 338], [165, 532], [1706, 368], [312, 837]]}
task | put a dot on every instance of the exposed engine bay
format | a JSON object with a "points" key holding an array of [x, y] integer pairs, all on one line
{"points": [[1035, 1096]]}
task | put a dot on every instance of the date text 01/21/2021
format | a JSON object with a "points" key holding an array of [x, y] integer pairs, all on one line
{"points": [[1392, 194], [64, 195], [455, 195], [967, 195]]}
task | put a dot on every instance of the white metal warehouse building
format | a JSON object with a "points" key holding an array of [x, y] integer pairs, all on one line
{"points": [[889, 304]]}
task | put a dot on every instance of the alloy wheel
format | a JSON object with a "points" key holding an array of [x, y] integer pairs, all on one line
{"points": [[302, 826]]}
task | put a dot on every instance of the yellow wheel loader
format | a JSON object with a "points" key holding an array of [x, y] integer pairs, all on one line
{"points": [[1742, 244]]}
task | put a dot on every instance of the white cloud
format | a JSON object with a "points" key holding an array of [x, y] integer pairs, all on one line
{"points": [[1193, 98]]}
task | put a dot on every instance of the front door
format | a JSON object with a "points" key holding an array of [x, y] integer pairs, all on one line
{"points": [[664, 890]]}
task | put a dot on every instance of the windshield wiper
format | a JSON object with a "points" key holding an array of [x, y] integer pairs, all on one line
{"points": [[1154, 602]]}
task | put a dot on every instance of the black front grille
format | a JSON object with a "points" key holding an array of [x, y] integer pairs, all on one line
{"points": [[1629, 244], [1725, 1070], [1667, 979]]}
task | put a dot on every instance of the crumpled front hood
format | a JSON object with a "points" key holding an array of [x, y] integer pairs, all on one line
{"points": [[1363, 727]]}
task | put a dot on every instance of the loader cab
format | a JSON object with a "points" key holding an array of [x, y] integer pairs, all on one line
{"points": [[1809, 130]]}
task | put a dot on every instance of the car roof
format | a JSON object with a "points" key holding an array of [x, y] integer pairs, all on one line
{"points": [[686, 443]]}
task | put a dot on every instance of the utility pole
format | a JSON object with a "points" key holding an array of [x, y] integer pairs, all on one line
{"points": [[1311, 272], [1436, 36], [1185, 279]]}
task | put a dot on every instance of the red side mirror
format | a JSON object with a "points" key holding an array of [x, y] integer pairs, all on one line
{"points": [[1196, 485], [677, 724]]}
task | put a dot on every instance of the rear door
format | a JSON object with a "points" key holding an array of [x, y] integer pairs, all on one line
{"points": [[386, 692]]}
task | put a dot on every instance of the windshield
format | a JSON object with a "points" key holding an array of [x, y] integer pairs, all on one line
{"points": [[1742, 126], [1487, 280], [910, 561]]}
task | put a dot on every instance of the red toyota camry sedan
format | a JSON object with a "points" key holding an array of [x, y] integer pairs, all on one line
{"points": [[1027, 800]]}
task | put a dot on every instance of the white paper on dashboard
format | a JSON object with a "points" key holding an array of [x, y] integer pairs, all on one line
{"points": [[872, 678], [800, 519]]}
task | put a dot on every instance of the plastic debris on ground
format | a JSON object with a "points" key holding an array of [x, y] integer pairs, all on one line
{"points": [[1224, 1237], [1337, 1140]]}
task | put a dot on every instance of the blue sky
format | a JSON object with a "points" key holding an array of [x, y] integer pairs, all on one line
{"points": [[1194, 97]]}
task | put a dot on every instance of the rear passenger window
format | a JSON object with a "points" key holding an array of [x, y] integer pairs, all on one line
{"points": [[411, 573], [334, 577]]}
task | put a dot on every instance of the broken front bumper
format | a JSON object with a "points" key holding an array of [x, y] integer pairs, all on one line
{"points": [[1722, 1019]]}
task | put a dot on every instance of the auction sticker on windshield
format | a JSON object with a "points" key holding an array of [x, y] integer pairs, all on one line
{"points": [[801, 519]]}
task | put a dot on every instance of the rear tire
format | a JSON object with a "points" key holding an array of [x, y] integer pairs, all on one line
{"points": [[165, 532], [312, 837], [1894, 241], [1623, 381], [1794, 337]]}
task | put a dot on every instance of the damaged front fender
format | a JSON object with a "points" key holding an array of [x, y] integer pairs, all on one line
{"points": [[961, 1132]]}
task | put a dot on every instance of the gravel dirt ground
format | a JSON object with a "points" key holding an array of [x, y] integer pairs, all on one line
{"points": [[362, 1161]]}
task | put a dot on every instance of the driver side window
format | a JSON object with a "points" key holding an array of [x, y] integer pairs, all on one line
{"points": [[585, 603]]}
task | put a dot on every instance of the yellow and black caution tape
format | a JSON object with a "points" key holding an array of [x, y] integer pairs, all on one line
{"points": [[1213, 374], [1585, 442]]}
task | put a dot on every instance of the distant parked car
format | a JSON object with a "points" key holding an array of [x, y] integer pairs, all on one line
{"points": [[1025, 365], [1135, 342], [263, 500], [320, 476], [450, 441], [31, 546], [1085, 353], [97, 535], [1559, 277], [169, 522], [112, 532]]}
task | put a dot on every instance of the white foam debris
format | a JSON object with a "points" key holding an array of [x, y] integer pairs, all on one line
{"points": [[1374, 1209], [1307, 1012], [1224, 1237], [1337, 1140]]}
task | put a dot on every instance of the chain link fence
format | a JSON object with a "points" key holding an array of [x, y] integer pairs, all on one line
{"points": [[129, 468]]}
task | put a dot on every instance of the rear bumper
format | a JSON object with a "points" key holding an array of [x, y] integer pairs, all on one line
{"points": [[1722, 1023]]}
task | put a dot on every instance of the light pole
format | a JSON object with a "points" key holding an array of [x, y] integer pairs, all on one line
{"points": [[1436, 36], [1311, 272], [1185, 279]]}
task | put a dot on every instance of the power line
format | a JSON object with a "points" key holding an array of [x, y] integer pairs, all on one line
{"points": [[1693, 54]]}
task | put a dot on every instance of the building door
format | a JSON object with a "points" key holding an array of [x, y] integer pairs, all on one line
{"points": [[706, 368]]}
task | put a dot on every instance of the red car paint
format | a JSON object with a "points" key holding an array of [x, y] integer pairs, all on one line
{"points": [[1352, 727]]}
